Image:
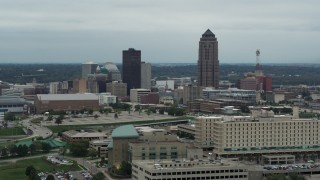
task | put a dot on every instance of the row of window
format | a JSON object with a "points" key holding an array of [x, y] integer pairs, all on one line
{"points": [[161, 148], [266, 139], [8, 106], [272, 124], [200, 178], [196, 172]]}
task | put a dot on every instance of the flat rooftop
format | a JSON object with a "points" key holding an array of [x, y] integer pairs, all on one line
{"points": [[69, 97], [187, 164]]}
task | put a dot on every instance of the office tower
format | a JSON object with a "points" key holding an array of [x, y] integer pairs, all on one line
{"points": [[191, 93], [88, 68], [208, 63], [131, 68], [117, 88], [145, 75], [113, 72]]}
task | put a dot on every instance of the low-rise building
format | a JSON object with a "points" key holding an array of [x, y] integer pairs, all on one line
{"points": [[73, 136], [150, 98], [156, 144], [135, 94], [13, 104], [189, 169], [106, 98], [101, 146], [188, 129], [263, 134], [65, 102]]}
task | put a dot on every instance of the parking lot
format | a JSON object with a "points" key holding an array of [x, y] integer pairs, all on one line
{"points": [[299, 166], [105, 119]]}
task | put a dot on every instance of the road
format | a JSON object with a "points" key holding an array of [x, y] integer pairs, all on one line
{"points": [[36, 129], [91, 167]]}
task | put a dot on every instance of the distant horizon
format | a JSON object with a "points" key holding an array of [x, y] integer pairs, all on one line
{"points": [[169, 63]]}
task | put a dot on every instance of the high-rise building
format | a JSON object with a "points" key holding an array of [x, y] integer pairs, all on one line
{"points": [[208, 63], [191, 93], [88, 68], [131, 68], [117, 88], [113, 72], [145, 75]]}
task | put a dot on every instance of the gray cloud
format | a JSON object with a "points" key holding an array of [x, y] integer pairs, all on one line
{"points": [[165, 30]]}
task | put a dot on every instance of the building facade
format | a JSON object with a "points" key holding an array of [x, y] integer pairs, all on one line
{"points": [[145, 75], [263, 133], [117, 88], [151, 98], [156, 144], [191, 93], [101, 146], [131, 68], [208, 62], [135, 94], [88, 68], [113, 72], [106, 98], [74, 136], [189, 170], [65, 102]]}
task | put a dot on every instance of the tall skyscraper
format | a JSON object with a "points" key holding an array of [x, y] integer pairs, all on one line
{"points": [[208, 63], [131, 68], [88, 68], [145, 75]]}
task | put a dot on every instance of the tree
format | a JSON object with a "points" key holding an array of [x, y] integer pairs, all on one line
{"points": [[33, 148], [9, 116], [96, 116], [98, 176], [148, 112], [92, 153], [125, 168], [277, 177], [58, 120], [13, 149], [90, 111], [22, 150], [79, 148], [4, 152], [50, 177], [33, 175], [28, 170], [50, 118], [245, 109], [161, 111], [45, 147]]}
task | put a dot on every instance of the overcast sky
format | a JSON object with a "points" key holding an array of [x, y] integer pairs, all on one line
{"points": [[286, 31]]}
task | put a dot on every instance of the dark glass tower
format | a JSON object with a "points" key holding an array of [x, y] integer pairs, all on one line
{"points": [[208, 63], [131, 68]]}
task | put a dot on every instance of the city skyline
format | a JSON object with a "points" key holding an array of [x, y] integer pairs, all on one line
{"points": [[51, 31]]}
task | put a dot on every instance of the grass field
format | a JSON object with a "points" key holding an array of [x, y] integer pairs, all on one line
{"points": [[61, 128], [16, 170], [11, 131], [6, 144], [37, 120]]}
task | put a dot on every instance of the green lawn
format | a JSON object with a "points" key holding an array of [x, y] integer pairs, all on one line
{"points": [[17, 170], [61, 128], [11, 131], [6, 144], [37, 120]]}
